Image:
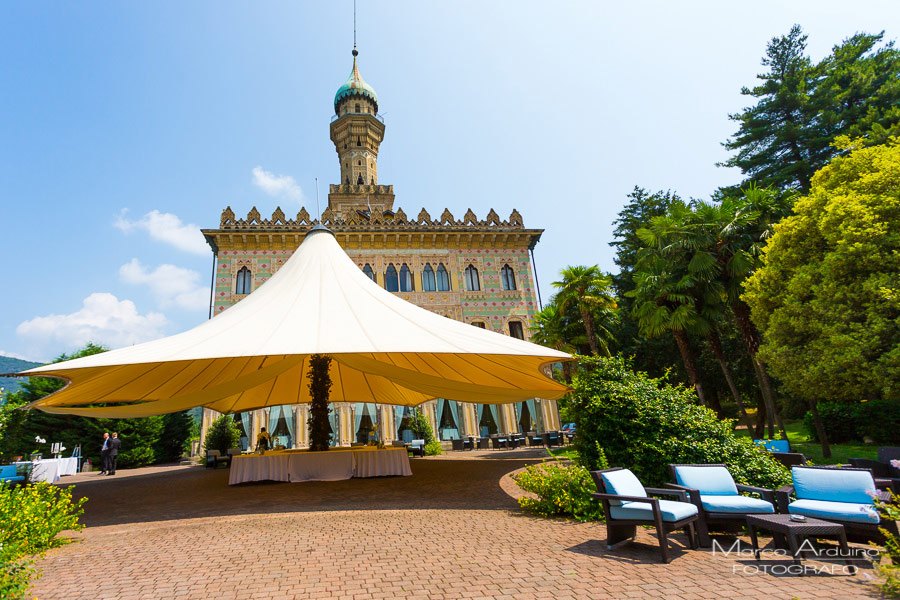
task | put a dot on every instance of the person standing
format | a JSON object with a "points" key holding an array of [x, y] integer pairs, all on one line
{"points": [[114, 445], [104, 454]]}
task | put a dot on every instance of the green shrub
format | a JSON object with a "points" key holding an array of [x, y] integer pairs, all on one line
{"points": [[839, 420], [222, 434], [433, 448], [561, 490], [889, 571], [15, 572], [879, 420], [31, 518], [644, 424], [420, 426]]}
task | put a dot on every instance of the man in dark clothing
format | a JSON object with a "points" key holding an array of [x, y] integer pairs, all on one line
{"points": [[114, 445], [104, 454]]}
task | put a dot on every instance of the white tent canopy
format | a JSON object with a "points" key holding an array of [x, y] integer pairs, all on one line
{"points": [[256, 353]]}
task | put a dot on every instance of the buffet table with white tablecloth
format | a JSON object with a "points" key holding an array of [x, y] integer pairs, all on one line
{"points": [[332, 465], [51, 469]]}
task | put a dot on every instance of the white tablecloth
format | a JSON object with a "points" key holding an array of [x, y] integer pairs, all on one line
{"points": [[332, 465], [51, 469]]}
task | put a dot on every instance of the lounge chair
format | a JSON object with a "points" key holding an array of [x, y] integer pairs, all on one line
{"points": [[8, 474], [232, 452], [838, 495], [213, 458], [398, 444], [498, 442], [484, 443], [457, 444], [712, 489], [626, 505], [789, 459], [774, 445], [534, 438], [417, 448], [884, 472]]}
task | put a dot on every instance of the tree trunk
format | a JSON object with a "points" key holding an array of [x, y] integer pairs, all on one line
{"points": [[589, 327], [714, 401], [760, 418], [716, 345], [751, 338], [690, 365], [820, 428]]}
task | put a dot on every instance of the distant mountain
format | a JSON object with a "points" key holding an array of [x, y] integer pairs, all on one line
{"points": [[14, 365]]}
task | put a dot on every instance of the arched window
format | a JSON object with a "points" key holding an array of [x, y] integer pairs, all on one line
{"points": [[244, 280], [508, 278], [391, 282], [359, 179], [369, 272], [427, 278], [443, 279], [515, 330], [478, 324], [358, 142], [358, 109], [472, 282], [406, 282]]}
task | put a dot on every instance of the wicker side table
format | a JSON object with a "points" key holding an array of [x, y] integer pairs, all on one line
{"points": [[792, 531]]}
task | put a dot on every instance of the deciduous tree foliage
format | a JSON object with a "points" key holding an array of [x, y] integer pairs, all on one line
{"points": [[830, 329]]}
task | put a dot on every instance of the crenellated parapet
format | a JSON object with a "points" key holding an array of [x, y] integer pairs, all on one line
{"points": [[351, 219]]}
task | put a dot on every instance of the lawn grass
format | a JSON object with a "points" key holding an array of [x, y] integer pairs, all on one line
{"points": [[840, 453], [800, 442]]}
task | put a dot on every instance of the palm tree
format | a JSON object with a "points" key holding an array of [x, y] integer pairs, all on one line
{"points": [[552, 328], [721, 244], [589, 291]]}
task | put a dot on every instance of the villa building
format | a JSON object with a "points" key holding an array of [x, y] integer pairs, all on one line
{"points": [[478, 271]]}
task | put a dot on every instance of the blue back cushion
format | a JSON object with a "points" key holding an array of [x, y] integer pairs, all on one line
{"points": [[711, 481], [622, 483], [778, 446], [8, 471], [833, 485]]}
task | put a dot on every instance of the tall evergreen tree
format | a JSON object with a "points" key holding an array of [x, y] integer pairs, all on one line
{"points": [[773, 138]]}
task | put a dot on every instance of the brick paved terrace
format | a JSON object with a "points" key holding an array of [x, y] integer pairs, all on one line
{"points": [[452, 530]]}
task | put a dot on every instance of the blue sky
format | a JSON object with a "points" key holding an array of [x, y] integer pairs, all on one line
{"points": [[126, 127]]}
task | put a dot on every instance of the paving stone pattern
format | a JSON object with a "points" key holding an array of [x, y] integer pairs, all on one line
{"points": [[449, 531]]}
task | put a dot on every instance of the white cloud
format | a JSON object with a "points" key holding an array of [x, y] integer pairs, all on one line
{"points": [[168, 228], [170, 285], [279, 186], [102, 319]]}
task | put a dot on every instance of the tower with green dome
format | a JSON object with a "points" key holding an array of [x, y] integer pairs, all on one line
{"points": [[356, 131]]}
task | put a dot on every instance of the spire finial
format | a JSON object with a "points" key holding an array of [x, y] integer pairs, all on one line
{"points": [[354, 29]]}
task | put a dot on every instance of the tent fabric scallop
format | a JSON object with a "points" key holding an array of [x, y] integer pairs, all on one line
{"points": [[256, 353]]}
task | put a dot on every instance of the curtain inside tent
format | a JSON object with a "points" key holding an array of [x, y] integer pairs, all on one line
{"points": [[454, 412], [518, 407], [358, 411], [495, 413], [536, 414], [398, 418], [245, 421], [332, 420], [479, 411], [272, 425], [288, 412], [438, 415]]}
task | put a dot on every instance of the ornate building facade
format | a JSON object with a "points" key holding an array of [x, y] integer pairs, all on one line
{"points": [[478, 271]]}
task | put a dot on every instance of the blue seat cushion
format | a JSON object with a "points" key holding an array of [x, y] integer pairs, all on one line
{"points": [[735, 504], [836, 511], [622, 483], [670, 509], [712, 481], [833, 485], [13, 479]]}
